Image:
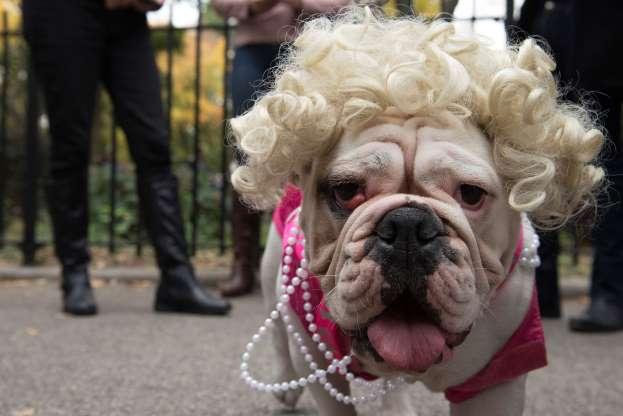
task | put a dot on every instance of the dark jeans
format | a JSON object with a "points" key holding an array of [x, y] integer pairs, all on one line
{"points": [[76, 44], [251, 75], [588, 59]]}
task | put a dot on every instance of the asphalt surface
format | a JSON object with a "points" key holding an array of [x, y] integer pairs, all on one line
{"points": [[131, 361]]}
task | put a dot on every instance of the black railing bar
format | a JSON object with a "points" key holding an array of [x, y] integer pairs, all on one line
{"points": [[477, 18], [3, 117], [113, 186], [510, 13], [224, 164], [206, 26], [196, 148], [170, 34], [121, 243], [139, 234]]}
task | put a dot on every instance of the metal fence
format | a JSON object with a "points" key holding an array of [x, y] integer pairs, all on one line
{"points": [[22, 212]]}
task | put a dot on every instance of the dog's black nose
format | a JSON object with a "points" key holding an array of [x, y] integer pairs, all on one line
{"points": [[407, 246], [407, 228]]}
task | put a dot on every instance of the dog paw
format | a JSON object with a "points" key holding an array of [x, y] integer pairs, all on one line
{"points": [[289, 398]]}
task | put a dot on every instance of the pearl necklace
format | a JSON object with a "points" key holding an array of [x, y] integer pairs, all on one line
{"points": [[528, 259], [317, 374]]}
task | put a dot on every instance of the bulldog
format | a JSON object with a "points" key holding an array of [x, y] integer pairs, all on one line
{"points": [[416, 167]]}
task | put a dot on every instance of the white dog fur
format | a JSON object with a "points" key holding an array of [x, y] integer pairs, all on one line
{"points": [[415, 112]]}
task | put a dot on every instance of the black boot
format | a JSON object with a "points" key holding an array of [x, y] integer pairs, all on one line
{"points": [[68, 205], [601, 316], [179, 290], [246, 235]]}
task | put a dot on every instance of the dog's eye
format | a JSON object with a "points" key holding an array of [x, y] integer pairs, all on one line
{"points": [[471, 197], [348, 196]]}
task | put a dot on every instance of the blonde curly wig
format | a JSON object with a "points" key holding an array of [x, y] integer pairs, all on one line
{"points": [[342, 72]]}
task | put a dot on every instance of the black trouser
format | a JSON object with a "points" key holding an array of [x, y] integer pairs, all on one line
{"points": [[76, 44], [251, 76]]}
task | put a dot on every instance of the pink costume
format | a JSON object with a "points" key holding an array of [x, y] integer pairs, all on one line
{"points": [[523, 352], [275, 25]]}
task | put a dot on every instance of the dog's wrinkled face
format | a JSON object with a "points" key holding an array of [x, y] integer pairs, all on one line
{"points": [[409, 229]]}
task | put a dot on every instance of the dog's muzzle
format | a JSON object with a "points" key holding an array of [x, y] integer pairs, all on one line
{"points": [[407, 244]]}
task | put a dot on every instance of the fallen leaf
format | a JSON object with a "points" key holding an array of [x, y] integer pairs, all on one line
{"points": [[27, 411], [33, 332]]}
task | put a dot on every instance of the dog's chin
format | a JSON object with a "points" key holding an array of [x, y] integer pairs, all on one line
{"points": [[405, 338]]}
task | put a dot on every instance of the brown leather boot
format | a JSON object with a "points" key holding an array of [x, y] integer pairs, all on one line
{"points": [[246, 236]]}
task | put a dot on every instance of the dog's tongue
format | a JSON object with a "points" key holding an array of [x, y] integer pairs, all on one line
{"points": [[412, 344]]}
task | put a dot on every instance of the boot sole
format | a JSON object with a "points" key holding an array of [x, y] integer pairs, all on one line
{"points": [[81, 312]]}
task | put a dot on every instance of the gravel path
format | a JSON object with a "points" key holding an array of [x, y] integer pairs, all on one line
{"points": [[130, 361]]}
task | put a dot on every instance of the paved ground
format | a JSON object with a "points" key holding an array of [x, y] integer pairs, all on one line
{"points": [[130, 361]]}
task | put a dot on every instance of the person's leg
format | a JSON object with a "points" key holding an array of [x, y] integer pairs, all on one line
{"points": [[131, 77], [65, 44], [547, 276], [605, 312], [249, 77]]}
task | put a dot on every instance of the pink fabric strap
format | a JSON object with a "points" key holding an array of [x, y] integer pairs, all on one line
{"points": [[523, 352]]}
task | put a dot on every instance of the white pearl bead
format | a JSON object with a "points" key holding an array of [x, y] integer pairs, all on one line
{"points": [[529, 257]]}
